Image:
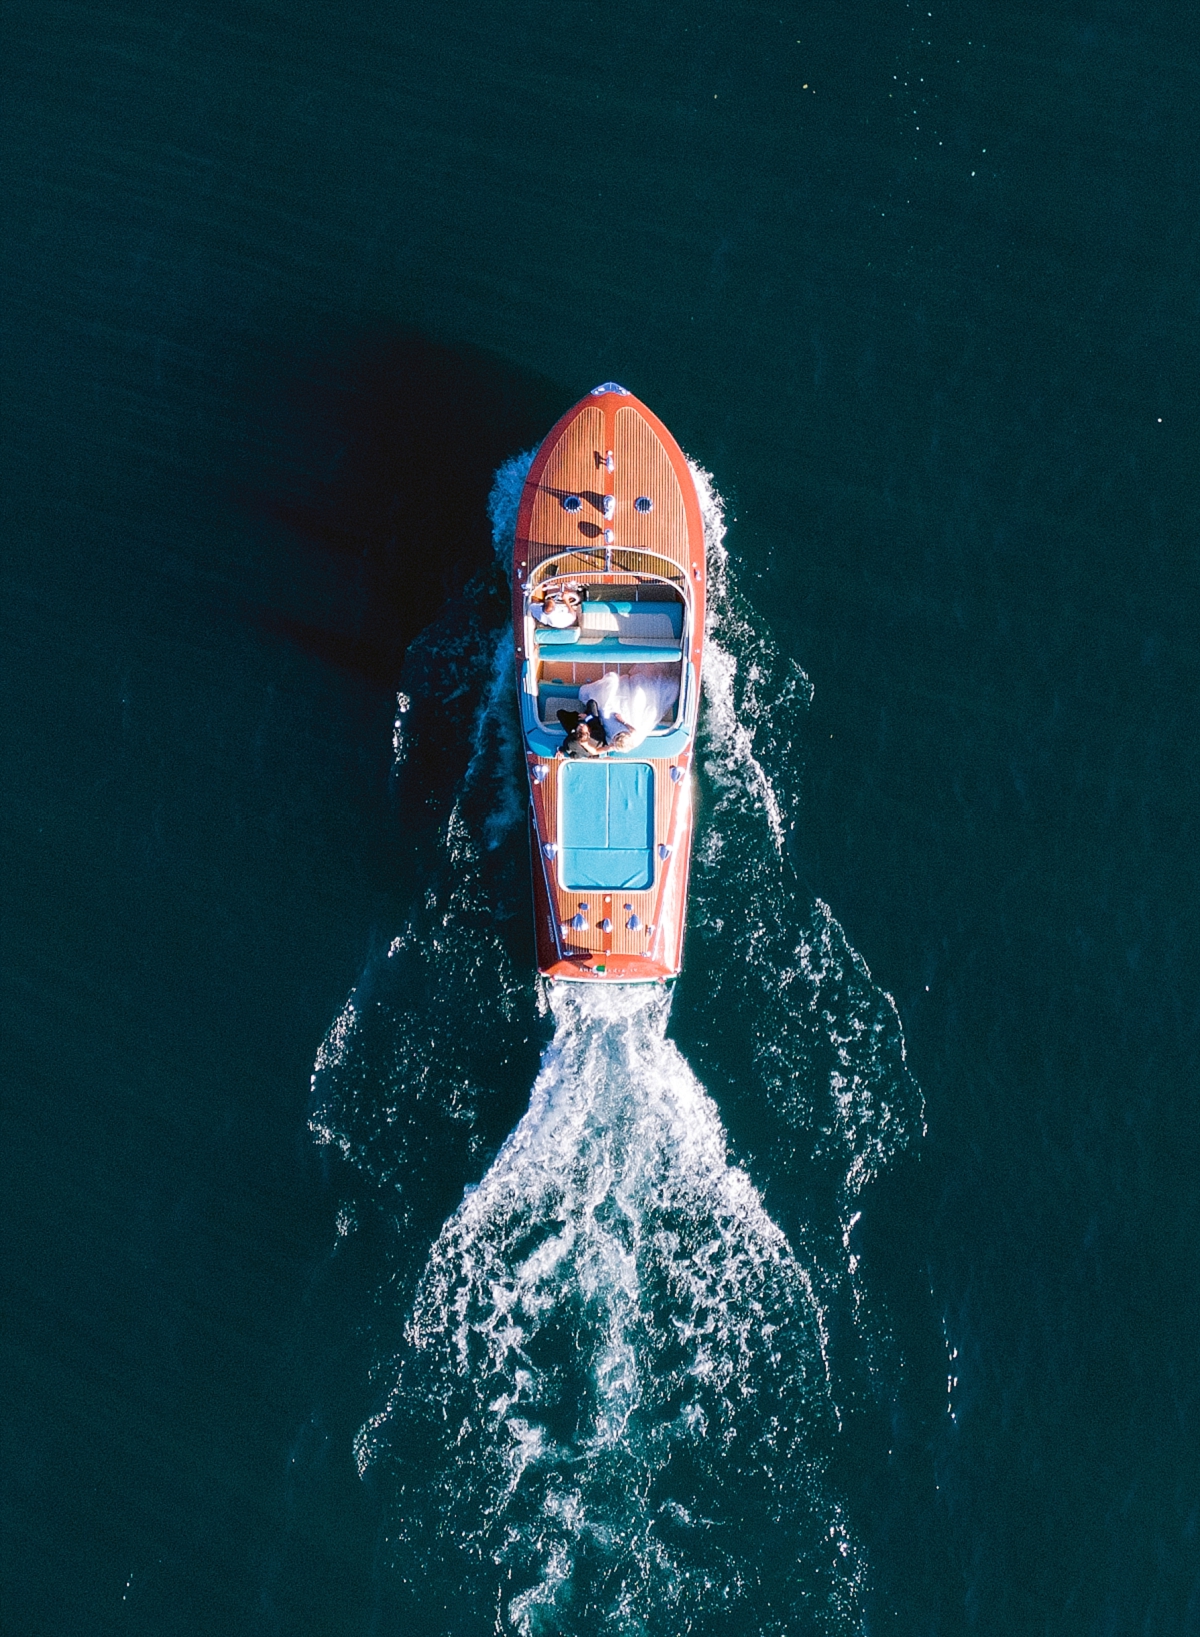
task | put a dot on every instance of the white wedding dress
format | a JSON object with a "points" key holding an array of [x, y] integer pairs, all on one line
{"points": [[638, 700]]}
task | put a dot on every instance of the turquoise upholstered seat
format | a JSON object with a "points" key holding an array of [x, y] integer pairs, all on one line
{"points": [[633, 632], [606, 826], [643, 621], [564, 696], [612, 650]]}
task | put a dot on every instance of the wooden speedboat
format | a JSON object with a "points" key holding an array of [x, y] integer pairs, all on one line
{"points": [[610, 530]]}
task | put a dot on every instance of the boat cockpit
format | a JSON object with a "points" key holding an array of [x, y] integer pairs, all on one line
{"points": [[630, 619]]}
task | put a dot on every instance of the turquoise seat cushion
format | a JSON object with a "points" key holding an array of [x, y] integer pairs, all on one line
{"points": [[641, 621], [597, 650], [554, 697], [565, 696], [606, 826], [634, 631]]}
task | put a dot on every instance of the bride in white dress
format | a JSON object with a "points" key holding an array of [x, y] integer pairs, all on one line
{"points": [[633, 704]]}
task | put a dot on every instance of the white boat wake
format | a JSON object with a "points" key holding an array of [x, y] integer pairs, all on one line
{"points": [[615, 1359]]}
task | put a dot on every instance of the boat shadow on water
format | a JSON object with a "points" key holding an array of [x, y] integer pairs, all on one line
{"points": [[378, 452]]}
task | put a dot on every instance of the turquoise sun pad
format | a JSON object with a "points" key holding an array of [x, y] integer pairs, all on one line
{"points": [[606, 826]]}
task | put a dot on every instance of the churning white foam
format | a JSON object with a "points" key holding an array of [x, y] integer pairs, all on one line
{"points": [[504, 502], [737, 704], [496, 746], [399, 735], [616, 1352]]}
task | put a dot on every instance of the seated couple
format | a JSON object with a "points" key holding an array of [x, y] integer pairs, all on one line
{"points": [[559, 607], [618, 711]]}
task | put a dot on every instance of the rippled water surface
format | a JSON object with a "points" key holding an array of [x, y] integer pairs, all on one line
{"points": [[355, 1281]]}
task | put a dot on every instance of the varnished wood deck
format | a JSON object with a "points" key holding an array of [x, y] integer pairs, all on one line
{"points": [[669, 807], [576, 466]]}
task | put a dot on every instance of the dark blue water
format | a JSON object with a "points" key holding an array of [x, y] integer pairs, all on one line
{"points": [[352, 1284]]}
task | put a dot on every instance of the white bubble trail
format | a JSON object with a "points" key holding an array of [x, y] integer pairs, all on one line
{"points": [[614, 1352]]}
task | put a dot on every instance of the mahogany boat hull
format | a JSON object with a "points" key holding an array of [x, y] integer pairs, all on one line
{"points": [[609, 516]]}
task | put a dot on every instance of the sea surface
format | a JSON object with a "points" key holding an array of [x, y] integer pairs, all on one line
{"points": [[355, 1282]]}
